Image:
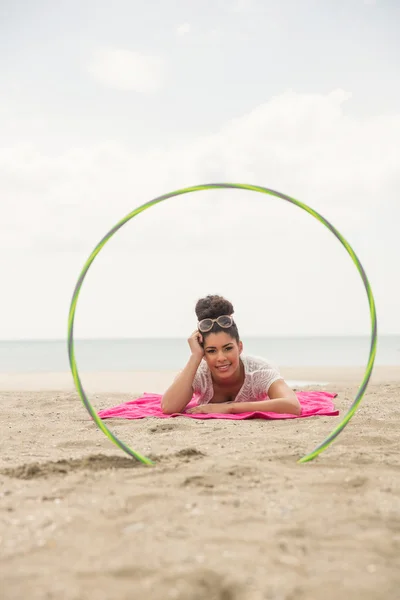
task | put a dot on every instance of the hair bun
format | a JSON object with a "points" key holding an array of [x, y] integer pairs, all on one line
{"points": [[212, 307]]}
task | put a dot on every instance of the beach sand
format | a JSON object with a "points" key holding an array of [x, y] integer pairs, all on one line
{"points": [[226, 513]]}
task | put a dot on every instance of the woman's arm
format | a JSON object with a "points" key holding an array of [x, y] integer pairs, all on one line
{"points": [[282, 399], [180, 393], [278, 405]]}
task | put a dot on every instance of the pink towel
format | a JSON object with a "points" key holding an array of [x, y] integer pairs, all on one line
{"points": [[149, 405]]}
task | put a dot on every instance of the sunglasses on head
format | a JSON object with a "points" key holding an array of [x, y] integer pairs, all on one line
{"points": [[224, 321]]}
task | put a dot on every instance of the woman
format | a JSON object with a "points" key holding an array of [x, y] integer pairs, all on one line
{"points": [[224, 380]]}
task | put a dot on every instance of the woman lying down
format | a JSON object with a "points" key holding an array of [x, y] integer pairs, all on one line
{"points": [[221, 377]]}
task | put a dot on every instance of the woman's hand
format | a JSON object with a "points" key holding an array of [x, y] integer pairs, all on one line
{"points": [[222, 408], [195, 342]]}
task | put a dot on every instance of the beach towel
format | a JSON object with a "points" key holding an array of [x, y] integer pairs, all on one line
{"points": [[149, 405]]}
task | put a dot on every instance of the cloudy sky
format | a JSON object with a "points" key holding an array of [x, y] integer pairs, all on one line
{"points": [[104, 106]]}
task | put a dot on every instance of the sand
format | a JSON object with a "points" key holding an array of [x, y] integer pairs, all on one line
{"points": [[158, 381], [226, 513]]}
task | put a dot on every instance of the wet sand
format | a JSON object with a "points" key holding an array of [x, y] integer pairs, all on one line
{"points": [[226, 513]]}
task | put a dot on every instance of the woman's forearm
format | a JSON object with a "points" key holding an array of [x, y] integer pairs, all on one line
{"points": [[278, 405], [180, 392]]}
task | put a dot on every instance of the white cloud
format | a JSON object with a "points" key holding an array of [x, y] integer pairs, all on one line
{"points": [[183, 29], [126, 70], [252, 249]]}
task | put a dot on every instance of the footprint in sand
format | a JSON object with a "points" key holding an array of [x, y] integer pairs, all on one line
{"points": [[171, 426], [200, 481], [163, 427], [97, 462], [186, 455], [194, 585]]}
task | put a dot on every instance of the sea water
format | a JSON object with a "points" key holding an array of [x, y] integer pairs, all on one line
{"points": [[171, 354]]}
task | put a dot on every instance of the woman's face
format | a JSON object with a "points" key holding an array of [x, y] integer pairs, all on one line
{"points": [[222, 353]]}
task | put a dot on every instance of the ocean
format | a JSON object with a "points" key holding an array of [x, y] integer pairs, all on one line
{"points": [[171, 354]]}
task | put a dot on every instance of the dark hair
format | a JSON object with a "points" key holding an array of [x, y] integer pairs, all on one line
{"points": [[212, 307]]}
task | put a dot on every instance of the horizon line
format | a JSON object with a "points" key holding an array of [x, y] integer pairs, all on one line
{"points": [[139, 338]]}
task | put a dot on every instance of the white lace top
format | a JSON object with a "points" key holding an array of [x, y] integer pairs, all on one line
{"points": [[259, 375]]}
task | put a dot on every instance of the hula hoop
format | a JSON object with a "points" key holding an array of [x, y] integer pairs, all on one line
{"points": [[71, 351]]}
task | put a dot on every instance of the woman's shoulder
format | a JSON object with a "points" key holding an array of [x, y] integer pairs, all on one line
{"points": [[260, 375], [202, 374], [203, 367], [257, 363], [202, 383]]}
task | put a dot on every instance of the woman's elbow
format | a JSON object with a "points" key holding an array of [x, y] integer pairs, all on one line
{"points": [[166, 410], [296, 407]]}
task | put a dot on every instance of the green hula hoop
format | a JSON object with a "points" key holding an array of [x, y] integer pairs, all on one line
{"points": [[71, 352]]}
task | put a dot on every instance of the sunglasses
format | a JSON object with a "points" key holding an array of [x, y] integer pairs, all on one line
{"points": [[225, 321]]}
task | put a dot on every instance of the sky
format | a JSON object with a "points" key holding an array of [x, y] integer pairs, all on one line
{"points": [[104, 106]]}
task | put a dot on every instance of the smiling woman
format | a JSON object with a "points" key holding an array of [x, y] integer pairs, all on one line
{"points": [[218, 373]]}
